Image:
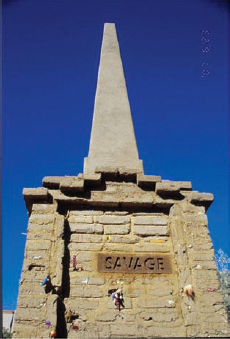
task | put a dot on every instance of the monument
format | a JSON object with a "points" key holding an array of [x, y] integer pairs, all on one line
{"points": [[113, 252]]}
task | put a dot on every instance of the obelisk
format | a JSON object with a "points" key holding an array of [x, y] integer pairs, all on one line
{"points": [[112, 143]]}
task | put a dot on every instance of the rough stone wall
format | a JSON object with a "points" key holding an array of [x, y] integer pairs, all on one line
{"points": [[88, 215], [150, 300], [43, 255]]}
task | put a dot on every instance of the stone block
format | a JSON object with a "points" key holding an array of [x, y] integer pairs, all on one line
{"points": [[39, 253], [72, 184], [113, 219], [34, 228], [167, 186], [33, 274], [40, 234], [44, 208], [78, 304], [206, 275], [31, 302], [104, 199], [59, 225], [117, 229], [116, 213], [200, 198], [41, 219], [162, 331], [86, 228], [147, 180], [204, 256], [33, 289], [60, 196], [202, 247], [51, 308], [94, 179], [33, 245], [158, 316], [85, 247], [86, 212], [153, 220], [86, 292], [164, 203], [156, 302], [206, 265], [107, 316], [127, 331], [25, 329], [128, 187], [35, 193], [86, 238], [88, 267], [51, 182], [31, 313], [80, 219], [211, 298], [97, 281], [130, 239], [118, 247], [85, 257], [148, 247], [143, 200], [144, 230], [198, 218], [189, 208]]}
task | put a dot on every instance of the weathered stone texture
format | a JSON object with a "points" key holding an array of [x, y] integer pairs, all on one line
{"points": [[43, 208], [148, 247], [86, 212], [85, 246], [150, 230], [115, 220], [80, 303], [116, 229], [86, 238], [81, 219], [41, 219], [86, 228], [150, 220]]}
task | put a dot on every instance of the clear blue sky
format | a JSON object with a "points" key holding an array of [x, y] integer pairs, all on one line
{"points": [[51, 53]]}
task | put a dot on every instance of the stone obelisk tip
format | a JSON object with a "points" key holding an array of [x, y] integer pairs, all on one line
{"points": [[112, 143]]}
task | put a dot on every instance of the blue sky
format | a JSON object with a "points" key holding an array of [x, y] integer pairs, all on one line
{"points": [[51, 54]]}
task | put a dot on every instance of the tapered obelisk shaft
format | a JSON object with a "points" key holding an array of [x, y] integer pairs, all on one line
{"points": [[112, 142]]}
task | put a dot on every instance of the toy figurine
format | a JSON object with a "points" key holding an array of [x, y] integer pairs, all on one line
{"points": [[117, 297], [74, 262], [53, 334]]}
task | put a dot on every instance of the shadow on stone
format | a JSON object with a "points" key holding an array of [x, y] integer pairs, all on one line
{"points": [[61, 324], [66, 261]]}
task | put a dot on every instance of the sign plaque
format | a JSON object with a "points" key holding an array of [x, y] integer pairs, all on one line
{"points": [[134, 263]]}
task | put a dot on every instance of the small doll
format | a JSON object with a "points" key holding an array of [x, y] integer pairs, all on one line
{"points": [[117, 297], [53, 334], [188, 290], [74, 262], [46, 281]]}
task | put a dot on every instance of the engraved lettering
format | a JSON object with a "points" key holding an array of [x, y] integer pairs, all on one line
{"points": [[150, 263], [108, 260], [117, 263], [137, 263], [154, 263], [130, 263], [160, 264]]}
